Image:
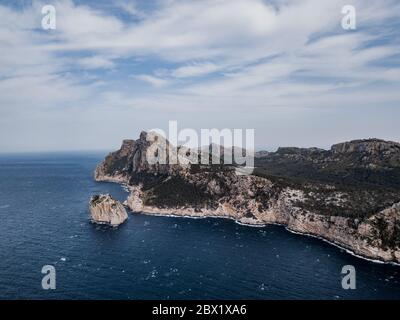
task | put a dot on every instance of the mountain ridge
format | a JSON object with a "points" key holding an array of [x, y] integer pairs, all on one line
{"points": [[349, 195]]}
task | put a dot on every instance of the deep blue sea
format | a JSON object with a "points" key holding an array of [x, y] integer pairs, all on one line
{"points": [[44, 220]]}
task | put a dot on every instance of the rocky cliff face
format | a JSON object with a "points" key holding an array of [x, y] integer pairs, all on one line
{"points": [[140, 156], [377, 148], [362, 218], [106, 210]]}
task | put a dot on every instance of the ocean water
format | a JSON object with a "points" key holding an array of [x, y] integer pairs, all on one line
{"points": [[44, 220]]}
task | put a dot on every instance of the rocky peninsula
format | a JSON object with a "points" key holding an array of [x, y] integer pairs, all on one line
{"points": [[348, 195]]}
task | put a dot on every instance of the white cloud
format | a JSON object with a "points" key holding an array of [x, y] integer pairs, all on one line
{"points": [[81, 25], [96, 62], [154, 81], [130, 7], [262, 58], [195, 69]]}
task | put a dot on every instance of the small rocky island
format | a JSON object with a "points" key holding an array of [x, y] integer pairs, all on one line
{"points": [[106, 210], [349, 195]]}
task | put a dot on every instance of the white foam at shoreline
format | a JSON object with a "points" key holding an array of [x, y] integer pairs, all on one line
{"points": [[277, 224], [126, 188]]}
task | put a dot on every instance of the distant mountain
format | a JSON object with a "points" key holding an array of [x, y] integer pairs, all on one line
{"points": [[368, 163], [349, 195]]}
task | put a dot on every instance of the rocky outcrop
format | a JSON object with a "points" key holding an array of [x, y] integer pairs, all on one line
{"points": [[116, 165], [363, 219], [147, 155], [375, 147], [106, 210]]}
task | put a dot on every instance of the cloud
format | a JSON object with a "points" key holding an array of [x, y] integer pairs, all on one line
{"points": [[156, 82], [195, 69], [96, 62], [130, 7], [236, 60]]}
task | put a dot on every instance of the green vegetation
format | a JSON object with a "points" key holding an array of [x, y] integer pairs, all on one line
{"points": [[174, 191]]}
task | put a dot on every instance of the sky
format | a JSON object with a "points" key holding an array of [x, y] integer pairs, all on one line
{"points": [[110, 69]]}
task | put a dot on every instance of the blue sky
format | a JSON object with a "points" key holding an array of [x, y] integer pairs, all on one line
{"points": [[114, 68]]}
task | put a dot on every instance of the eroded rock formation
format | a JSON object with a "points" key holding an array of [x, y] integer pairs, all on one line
{"points": [[348, 195]]}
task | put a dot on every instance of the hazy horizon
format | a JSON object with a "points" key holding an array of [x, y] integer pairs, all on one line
{"points": [[270, 148]]}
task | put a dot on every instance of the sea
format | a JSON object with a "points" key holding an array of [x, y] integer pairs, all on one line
{"points": [[44, 221]]}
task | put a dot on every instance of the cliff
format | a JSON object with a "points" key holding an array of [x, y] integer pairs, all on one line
{"points": [[348, 195], [106, 210]]}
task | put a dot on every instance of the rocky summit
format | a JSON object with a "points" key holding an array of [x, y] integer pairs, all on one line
{"points": [[348, 195], [106, 210]]}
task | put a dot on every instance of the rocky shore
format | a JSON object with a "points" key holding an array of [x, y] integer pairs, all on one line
{"points": [[361, 219]]}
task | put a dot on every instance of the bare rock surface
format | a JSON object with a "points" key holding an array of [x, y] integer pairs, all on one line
{"points": [[106, 210]]}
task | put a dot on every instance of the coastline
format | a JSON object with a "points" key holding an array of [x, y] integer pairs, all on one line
{"points": [[339, 246], [246, 222]]}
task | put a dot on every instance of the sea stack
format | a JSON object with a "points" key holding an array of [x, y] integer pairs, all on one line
{"points": [[106, 210]]}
